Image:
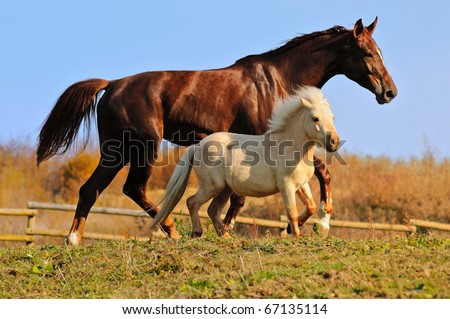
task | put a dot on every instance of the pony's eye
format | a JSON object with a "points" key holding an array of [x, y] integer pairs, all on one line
{"points": [[368, 55], [315, 119]]}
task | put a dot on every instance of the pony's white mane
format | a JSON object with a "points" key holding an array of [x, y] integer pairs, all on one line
{"points": [[285, 110]]}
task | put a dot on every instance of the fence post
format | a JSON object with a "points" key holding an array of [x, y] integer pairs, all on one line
{"points": [[31, 222]]}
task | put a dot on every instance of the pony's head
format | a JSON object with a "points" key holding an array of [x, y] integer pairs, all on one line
{"points": [[362, 62], [311, 108], [319, 126]]}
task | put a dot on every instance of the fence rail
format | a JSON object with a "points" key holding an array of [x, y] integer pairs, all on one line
{"points": [[31, 218], [34, 207]]}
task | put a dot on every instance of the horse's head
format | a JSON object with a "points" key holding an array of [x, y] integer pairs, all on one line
{"points": [[319, 124], [363, 63]]}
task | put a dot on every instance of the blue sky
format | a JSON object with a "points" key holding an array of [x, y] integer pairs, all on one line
{"points": [[48, 45]]}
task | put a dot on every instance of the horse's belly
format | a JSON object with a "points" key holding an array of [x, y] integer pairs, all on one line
{"points": [[254, 183]]}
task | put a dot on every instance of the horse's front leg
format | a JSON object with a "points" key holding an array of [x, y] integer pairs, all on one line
{"points": [[236, 203], [326, 202], [288, 194], [305, 195]]}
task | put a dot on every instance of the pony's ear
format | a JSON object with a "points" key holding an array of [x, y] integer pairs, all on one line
{"points": [[306, 103], [371, 27], [358, 28]]}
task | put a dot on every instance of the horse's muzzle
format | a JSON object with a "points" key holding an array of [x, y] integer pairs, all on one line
{"points": [[332, 143], [387, 95]]}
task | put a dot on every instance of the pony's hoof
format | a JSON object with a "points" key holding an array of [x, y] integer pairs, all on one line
{"points": [[320, 231], [196, 235], [226, 235], [174, 234], [289, 229], [171, 231]]}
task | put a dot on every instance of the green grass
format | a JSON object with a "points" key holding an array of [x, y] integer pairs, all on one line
{"points": [[211, 267]]}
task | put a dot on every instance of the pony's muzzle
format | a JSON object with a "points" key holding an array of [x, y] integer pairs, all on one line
{"points": [[332, 142]]}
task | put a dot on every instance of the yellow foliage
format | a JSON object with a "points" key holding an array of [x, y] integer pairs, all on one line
{"points": [[74, 173], [367, 189]]}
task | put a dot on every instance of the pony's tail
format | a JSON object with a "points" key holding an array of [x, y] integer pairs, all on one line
{"points": [[62, 124], [176, 186]]}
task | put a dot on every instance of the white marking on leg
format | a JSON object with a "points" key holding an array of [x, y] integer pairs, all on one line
{"points": [[322, 211], [324, 221], [73, 239]]}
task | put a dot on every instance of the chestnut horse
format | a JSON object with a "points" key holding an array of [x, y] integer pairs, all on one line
{"points": [[135, 113]]}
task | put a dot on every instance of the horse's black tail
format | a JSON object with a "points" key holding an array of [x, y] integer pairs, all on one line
{"points": [[62, 124]]}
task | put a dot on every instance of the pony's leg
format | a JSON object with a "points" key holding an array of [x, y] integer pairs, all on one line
{"points": [[215, 210], [326, 202], [194, 203], [288, 194], [135, 187], [89, 192], [306, 197], [237, 201]]}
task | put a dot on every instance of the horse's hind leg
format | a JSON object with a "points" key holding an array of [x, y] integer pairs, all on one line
{"points": [[135, 187], [237, 201], [215, 210], [89, 192], [194, 203]]}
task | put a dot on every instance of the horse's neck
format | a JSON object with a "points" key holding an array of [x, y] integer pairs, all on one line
{"points": [[296, 140], [308, 64]]}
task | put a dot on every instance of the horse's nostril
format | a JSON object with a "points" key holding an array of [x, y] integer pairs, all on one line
{"points": [[390, 94], [333, 141]]}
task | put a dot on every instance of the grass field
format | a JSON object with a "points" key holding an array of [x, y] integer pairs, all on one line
{"points": [[254, 264], [212, 267]]}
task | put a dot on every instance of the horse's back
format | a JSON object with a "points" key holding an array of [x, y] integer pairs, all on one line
{"points": [[238, 160], [177, 103]]}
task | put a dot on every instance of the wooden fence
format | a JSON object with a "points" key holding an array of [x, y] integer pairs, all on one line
{"points": [[31, 217], [34, 207]]}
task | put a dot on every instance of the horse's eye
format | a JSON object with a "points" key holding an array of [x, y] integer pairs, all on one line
{"points": [[368, 55], [315, 119]]}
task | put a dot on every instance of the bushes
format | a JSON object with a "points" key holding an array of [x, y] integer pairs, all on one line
{"points": [[378, 189], [73, 173], [19, 178], [385, 190]]}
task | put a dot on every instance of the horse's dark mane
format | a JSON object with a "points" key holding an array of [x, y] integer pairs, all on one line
{"points": [[292, 44]]}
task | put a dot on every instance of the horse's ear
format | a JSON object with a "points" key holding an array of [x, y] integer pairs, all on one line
{"points": [[358, 28], [306, 103], [371, 27]]}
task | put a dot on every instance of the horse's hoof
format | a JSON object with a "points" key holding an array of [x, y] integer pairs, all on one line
{"points": [[73, 239], [320, 231], [228, 227]]}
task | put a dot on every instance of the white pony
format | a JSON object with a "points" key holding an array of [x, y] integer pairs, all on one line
{"points": [[281, 160]]}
